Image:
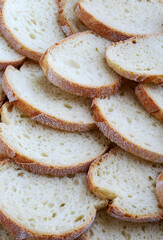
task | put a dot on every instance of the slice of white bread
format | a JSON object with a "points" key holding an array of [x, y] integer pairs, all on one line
{"points": [[8, 56], [159, 188], [4, 234], [77, 64], [121, 19], [151, 96], [29, 89], [2, 94], [124, 120], [70, 24], [41, 207], [30, 26], [130, 182], [45, 150], [139, 59], [106, 227]]}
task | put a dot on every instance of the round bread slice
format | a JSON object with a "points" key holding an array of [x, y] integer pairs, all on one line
{"points": [[124, 120], [29, 89], [151, 96], [109, 228], [121, 19], [139, 59], [78, 65], [45, 150], [70, 24], [130, 182], [8, 56], [2, 94], [41, 207], [30, 26], [159, 188]]}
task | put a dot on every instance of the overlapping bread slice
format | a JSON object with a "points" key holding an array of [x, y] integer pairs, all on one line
{"points": [[70, 24], [5, 235], [130, 182], [2, 94], [121, 19], [77, 64], [8, 56], [124, 120], [109, 228], [159, 188], [45, 150], [30, 26], [139, 59], [151, 96], [29, 89], [41, 207]]}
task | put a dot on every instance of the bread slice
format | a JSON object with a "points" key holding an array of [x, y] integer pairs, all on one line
{"points": [[4, 234], [130, 182], [41, 207], [124, 120], [2, 94], [121, 19], [29, 89], [45, 150], [159, 188], [8, 56], [139, 59], [151, 96], [30, 26], [109, 228], [70, 24], [78, 65]]}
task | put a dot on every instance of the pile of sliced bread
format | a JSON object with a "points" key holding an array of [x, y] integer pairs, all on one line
{"points": [[81, 131]]}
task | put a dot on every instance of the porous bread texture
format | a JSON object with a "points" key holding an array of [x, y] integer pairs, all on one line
{"points": [[8, 56], [124, 120], [109, 228], [45, 150], [4, 234], [133, 18], [159, 188], [2, 94], [70, 24], [30, 26], [139, 59], [31, 91], [78, 65], [151, 96], [40, 207], [130, 182]]}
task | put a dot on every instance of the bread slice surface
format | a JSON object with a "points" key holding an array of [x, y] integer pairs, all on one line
{"points": [[124, 120], [78, 65], [130, 182], [70, 23], [45, 150], [30, 26], [151, 96], [133, 17], [34, 206], [139, 59], [31, 91], [109, 228]]}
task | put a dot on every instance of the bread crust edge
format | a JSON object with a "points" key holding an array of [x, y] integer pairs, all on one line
{"points": [[159, 188]]}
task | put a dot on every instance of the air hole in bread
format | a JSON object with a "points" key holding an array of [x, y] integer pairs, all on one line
{"points": [[79, 218]]}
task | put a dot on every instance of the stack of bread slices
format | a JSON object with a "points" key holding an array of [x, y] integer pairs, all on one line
{"points": [[81, 131]]}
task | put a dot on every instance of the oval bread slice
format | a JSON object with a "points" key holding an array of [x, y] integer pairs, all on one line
{"points": [[78, 65], [70, 24], [130, 182], [45, 150], [124, 120], [31, 91], [30, 26], [40, 207], [109, 228], [151, 96], [139, 59], [121, 19], [159, 188]]}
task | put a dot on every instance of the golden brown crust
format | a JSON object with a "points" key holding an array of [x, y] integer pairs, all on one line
{"points": [[17, 63], [2, 98], [74, 88], [158, 79], [159, 188], [82, 237], [120, 140], [39, 116], [148, 102]]}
